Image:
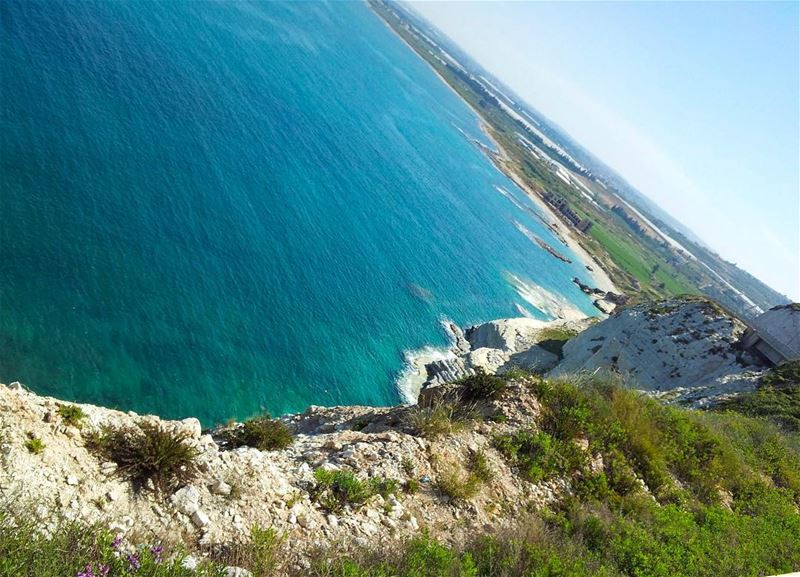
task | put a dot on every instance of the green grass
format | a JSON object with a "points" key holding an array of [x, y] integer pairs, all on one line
{"points": [[726, 488], [553, 339], [74, 549], [777, 398], [440, 419], [457, 484]]}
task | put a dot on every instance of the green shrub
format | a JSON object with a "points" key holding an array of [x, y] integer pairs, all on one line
{"points": [[540, 456], [73, 549], [411, 486], [34, 444], [457, 484], [262, 554], [479, 466], [482, 386], [334, 490], [263, 433], [384, 487], [72, 415], [440, 419], [148, 453]]}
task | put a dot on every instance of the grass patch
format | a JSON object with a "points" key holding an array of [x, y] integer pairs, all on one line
{"points": [[335, 490], [73, 549], [263, 433], [440, 419], [456, 483], [777, 398], [72, 415], [478, 464], [34, 444], [147, 454], [540, 456]]}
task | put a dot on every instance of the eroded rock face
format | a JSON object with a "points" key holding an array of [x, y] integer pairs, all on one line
{"points": [[681, 345], [236, 489], [507, 335]]}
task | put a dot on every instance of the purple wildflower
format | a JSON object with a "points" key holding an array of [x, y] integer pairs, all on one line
{"points": [[134, 562], [117, 542], [157, 550], [103, 570], [88, 571]]}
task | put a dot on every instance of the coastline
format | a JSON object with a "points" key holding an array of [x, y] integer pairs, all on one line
{"points": [[499, 160]]}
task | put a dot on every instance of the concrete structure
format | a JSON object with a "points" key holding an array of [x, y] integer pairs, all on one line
{"points": [[775, 334]]}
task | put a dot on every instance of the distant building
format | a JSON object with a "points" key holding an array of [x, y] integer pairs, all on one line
{"points": [[562, 206], [775, 334]]}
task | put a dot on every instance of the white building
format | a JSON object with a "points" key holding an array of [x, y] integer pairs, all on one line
{"points": [[776, 333]]}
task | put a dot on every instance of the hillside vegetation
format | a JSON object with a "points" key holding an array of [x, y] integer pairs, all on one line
{"points": [[653, 490]]}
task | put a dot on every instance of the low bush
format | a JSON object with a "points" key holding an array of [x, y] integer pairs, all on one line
{"points": [[147, 454], [262, 554], [440, 418], [482, 386], [75, 550], [263, 433], [456, 483], [479, 465], [72, 415], [335, 490], [540, 456]]}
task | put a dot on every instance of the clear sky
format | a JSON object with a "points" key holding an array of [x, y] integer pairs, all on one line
{"points": [[695, 104]]}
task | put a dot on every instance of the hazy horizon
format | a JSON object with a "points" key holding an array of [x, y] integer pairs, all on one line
{"points": [[696, 105]]}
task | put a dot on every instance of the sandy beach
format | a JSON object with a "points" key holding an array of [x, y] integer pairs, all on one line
{"points": [[599, 276]]}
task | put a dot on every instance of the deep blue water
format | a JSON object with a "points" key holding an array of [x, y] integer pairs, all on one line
{"points": [[210, 208]]}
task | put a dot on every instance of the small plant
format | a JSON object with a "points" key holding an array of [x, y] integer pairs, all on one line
{"points": [[72, 415], [148, 453], [261, 553], [456, 484], [411, 486], [34, 444], [482, 386], [408, 466], [335, 490], [440, 419], [263, 433], [479, 466], [384, 487]]}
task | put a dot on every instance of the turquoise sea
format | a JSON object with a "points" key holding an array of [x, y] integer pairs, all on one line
{"points": [[213, 208]]}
